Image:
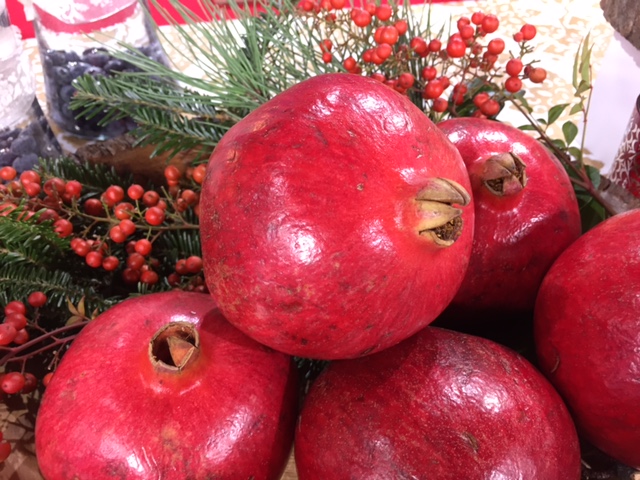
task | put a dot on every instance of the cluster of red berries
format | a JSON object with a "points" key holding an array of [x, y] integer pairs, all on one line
{"points": [[133, 218], [440, 75], [13, 333]]}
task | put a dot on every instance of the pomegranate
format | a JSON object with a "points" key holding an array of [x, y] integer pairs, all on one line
{"points": [[161, 386], [587, 333], [442, 405], [334, 219], [526, 215]]}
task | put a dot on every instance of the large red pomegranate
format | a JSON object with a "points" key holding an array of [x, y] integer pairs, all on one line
{"points": [[526, 215], [587, 332], [333, 219], [162, 387], [441, 405]]}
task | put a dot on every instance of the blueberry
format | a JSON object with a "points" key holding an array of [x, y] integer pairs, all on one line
{"points": [[55, 57], [115, 65], [9, 134], [25, 162], [77, 69], [24, 144], [61, 75], [95, 71], [66, 92], [71, 56], [7, 158], [98, 57]]}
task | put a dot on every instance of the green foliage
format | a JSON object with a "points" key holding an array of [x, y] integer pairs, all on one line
{"points": [[94, 178]]}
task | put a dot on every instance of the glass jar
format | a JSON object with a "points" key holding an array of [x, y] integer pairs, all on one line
{"points": [[25, 134], [74, 39]]}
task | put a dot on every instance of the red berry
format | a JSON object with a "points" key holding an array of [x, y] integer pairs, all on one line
{"points": [[456, 48], [54, 187], [518, 37], [22, 337], [429, 73], [154, 216], [113, 195], [127, 227], [360, 17], [383, 12], [94, 207], [63, 227], [130, 275], [94, 259], [490, 23], [496, 46], [31, 189], [123, 210], [199, 173], [389, 35], [384, 51], [110, 263], [17, 320], [338, 4], [135, 192], [477, 18], [401, 26], [150, 198], [47, 379], [463, 22], [435, 45], [181, 267], [406, 80], [135, 261], [8, 173], [143, 247], [370, 8], [7, 333], [490, 108], [433, 89], [37, 299], [513, 84], [12, 382], [149, 277], [30, 383], [193, 264], [81, 247], [537, 75], [528, 32], [440, 105], [349, 64], [514, 67], [15, 306], [171, 173], [73, 188], [467, 32], [116, 234], [418, 45]]}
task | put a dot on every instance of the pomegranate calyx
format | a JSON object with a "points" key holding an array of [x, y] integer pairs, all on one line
{"points": [[440, 221], [174, 346], [504, 174]]}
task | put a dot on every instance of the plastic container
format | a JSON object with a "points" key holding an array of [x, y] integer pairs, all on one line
{"points": [[74, 39], [25, 135]]}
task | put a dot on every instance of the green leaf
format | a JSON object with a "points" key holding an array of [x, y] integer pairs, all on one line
{"points": [[582, 87], [594, 175], [585, 60], [541, 121], [555, 112], [570, 132], [559, 143], [576, 153], [578, 107], [527, 127]]}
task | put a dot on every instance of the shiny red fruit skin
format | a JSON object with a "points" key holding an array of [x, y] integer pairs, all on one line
{"points": [[108, 414], [309, 220], [441, 405], [516, 237], [587, 332]]}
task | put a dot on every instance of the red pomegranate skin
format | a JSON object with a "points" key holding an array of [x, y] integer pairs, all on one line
{"points": [[109, 414], [440, 405], [309, 220], [587, 333], [517, 237]]}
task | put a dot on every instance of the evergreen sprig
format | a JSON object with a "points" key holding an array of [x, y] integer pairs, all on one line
{"points": [[95, 177]]}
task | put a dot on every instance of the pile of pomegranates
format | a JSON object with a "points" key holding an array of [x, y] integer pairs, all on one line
{"points": [[337, 223]]}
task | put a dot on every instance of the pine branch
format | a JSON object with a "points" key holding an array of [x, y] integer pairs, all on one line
{"points": [[94, 178], [26, 242], [18, 281], [181, 244]]}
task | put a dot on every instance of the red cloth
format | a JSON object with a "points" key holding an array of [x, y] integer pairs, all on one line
{"points": [[16, 13]]}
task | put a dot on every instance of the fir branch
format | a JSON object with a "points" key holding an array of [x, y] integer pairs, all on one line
{"points": [[179, 244], [94, 178], [18, 281], [25, 241]]}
